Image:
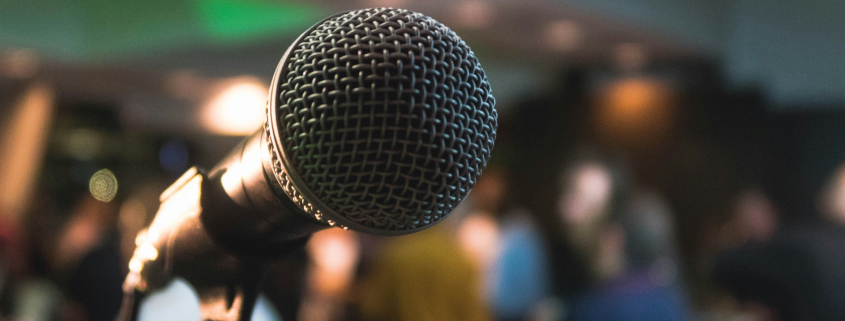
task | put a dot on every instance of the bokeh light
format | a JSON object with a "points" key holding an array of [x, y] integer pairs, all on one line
{"points": [[103, 185], [238, 110], [636, 109]]}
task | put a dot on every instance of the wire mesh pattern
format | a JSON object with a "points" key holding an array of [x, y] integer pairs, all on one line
{"points": [[387, 117]]}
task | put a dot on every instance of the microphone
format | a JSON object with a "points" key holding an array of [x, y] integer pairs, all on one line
{"points": [[378, 120]]}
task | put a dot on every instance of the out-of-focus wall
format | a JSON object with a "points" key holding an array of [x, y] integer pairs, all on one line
{"points": [[794, 49], [697, 23], [791, 49]]}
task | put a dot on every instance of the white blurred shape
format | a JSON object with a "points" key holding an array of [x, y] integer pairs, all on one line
{"points": [[264, 311], [335, 254], [589, 191], [178, 301], [478, 235], [239, 108]]}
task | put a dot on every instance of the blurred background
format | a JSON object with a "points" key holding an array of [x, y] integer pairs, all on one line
{"points": [[656, 160]]}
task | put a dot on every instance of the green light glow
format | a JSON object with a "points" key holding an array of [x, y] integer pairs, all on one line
{"points": [[236, 20], [103, 30]]}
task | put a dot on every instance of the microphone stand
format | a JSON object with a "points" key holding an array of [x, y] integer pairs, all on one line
{"points": [[198, 209], [219, 232]]}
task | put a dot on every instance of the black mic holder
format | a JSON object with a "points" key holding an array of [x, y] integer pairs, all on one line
{"points": [[192, 236]]}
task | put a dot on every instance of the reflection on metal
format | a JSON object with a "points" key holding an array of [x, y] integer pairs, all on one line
{"points": [[179, 202], [182, 204], [103, 185]]}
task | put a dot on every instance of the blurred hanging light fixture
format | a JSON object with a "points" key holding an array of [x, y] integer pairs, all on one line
{"points": [[637, 109], [238, 109]]}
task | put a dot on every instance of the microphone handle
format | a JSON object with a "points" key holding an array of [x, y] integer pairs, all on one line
{"points": [[218, 231]]}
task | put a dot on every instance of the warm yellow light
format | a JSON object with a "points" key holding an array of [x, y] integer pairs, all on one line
{"points": [[23, 139], [103, 185], [148, 251], [239, 108], [135, 265], [141, 238], [635, 98], [636, 108], [181, 204], [231, 179]]}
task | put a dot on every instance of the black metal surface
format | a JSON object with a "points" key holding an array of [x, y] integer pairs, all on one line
{"points": [[385, 119]]}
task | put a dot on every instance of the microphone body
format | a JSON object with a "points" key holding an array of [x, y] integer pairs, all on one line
{"points": [[378, 120]]}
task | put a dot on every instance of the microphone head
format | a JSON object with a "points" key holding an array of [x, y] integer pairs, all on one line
{"points": [[379, 120]]}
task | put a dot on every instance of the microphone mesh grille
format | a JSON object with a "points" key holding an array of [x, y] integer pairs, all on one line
{"points": [[387, 117]]}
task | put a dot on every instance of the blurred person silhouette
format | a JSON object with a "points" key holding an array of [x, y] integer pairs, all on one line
{"points": [[753, 219], [424, 276], [11, 264], [591, 189], [507, 246], [831, 202], [24, 296], [797, 273], [636, 267], [285, 284], [87, 257]]}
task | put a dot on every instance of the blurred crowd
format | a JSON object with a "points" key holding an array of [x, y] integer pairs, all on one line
{"points": [[654, 160], [611, 254]]}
